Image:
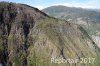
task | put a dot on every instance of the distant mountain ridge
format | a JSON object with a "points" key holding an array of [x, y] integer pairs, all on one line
{"points": [[71, 11]]}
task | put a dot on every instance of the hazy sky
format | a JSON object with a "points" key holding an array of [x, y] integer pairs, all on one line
{"points": [[71, 3]]}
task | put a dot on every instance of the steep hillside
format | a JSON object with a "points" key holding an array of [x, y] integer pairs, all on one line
{"points": [[88, 18], [28, 37]]}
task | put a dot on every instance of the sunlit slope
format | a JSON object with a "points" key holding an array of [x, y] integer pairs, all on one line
{"points": [[28, 37]]}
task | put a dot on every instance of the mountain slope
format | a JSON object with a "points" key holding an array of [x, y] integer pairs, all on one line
{"points": [[28, 37], [88, 18]]}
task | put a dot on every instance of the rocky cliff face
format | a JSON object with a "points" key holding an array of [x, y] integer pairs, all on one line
{"points": [[28, 37]]}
